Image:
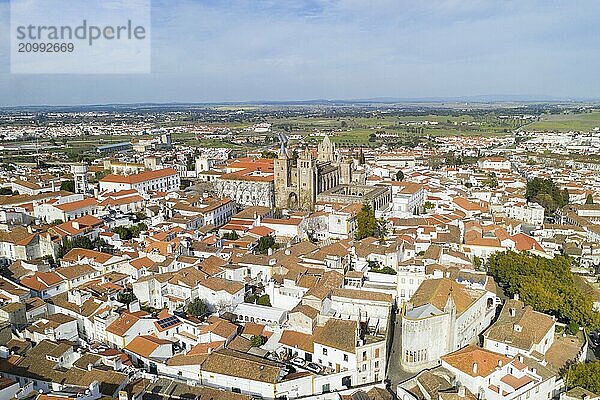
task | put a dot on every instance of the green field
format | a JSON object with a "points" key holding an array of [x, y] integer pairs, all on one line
{"points": [[355, 131], [583, 122]]}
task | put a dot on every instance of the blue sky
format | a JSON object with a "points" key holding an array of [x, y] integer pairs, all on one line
{"points": [[341, 49]]}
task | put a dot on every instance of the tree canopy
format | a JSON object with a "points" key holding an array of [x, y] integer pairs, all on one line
{"points": [[69, 186], [586, 375], [264, 244], [81, 242], [368, 225], [547, 194], [197, 308], [133, 231], [546, 284], [399, 175]]}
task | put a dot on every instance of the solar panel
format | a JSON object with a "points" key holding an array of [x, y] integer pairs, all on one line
{"points": [[168, 322]]}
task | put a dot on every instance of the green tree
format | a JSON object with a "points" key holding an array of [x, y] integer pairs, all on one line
{"points": [[399, 176], [589, 199], [137, 229], [428, 205], [257, 340], [69, 186], [586, 375], [123, 232], [547, 194], [81, 242], [231, 235], [366, 223], [126, 297], [197, 308], [264, 300], [264, 244], [6, 191], [545, 284]]}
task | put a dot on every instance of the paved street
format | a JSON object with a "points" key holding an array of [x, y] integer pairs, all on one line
{"points": [[395, 372]]}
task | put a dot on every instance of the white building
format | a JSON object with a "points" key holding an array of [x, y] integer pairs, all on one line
{"points": [[162, 180], [494, 164], [520, 330], [496, 377], [442, 316]]}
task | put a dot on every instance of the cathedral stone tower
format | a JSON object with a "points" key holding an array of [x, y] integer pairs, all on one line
{"points": [[297, 187]]}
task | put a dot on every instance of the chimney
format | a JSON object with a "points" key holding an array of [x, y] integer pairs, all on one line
{"points": [[270, 251], [520, 358], [499, 363], [517, 328], [209, 350], [512, 312], [516, 296], [461, 390], [474, 368], [89, 367]]}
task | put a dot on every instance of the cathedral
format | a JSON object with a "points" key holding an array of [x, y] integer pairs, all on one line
{"points": [[296, 188]]}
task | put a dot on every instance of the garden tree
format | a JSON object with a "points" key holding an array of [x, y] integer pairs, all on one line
{"points": [[547, 194], [264, 300], [546, 284], [56, 222], [137, 229], [126, 297], [82, 242], [586, 375], [231, 235], [123, 232], [257, 340], [366, 223], [133, 231], [264, 244], [589, 199], [428, 205], [69, 186], [399, 176], [491, 180], [197, 308], [6, 191]]}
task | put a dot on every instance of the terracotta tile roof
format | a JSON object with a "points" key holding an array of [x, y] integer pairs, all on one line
{"points": [[41, 280], [122, 324], [437, 292], [76, 205], [140, 177], [533, 326], [145, 345], [338, 334], [77, 254], [466, 359], [233, 363], [298, 340]]}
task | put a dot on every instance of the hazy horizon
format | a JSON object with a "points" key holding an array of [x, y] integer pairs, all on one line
{"points": [[270, 51]]}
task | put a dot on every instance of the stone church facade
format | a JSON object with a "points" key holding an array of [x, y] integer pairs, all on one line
{"points": [[296, 188]]}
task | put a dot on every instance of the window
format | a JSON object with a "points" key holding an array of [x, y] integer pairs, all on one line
{"points": [[326, 388], [236, 390], [376, 364], [324, 351], [345, 357]]}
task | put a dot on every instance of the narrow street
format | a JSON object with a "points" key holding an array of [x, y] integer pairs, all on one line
{"points": [[396, 374]]}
